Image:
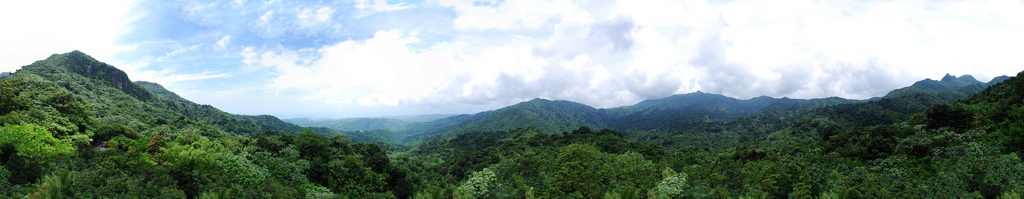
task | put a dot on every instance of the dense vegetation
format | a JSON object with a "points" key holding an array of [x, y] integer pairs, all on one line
{"points": [[65, 132]]}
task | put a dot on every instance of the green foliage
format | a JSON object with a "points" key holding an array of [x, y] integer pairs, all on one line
{"points": [[477, 186], [35, 142], [221, 194], [673, 185], [575, 168], [628, 193], [942, 115], [917, 119], [5, 184], [1012, 194], [833, 195], [436, 194], [1005, 173], [53, 187]]}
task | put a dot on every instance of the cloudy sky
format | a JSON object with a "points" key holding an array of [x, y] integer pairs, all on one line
{"points": [[367, 58]]}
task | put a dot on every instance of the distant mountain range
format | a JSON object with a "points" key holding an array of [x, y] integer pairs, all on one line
{"points": [[681, 113]]}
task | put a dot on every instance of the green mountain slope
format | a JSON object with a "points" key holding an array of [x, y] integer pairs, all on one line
{"points": [[422, 131], [84, 65], [683, 109], [546, 115], [820, 148], [670, 114], [710, 120], [948, 90], [246, 124], [112, 98]]}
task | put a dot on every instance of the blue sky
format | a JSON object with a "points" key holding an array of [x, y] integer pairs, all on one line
{"points": [[369, 58]]}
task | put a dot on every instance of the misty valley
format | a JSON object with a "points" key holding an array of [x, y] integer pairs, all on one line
{"points": [[72, 126]]}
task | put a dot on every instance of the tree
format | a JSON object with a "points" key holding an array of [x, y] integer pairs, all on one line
{"points": [[312, 145], [673, 185], [36, 143], [478, 186], [578, 170]]}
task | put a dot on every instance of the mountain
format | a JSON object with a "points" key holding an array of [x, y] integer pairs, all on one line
{"points": [[4, 74], [112, 97], [703, 119], [996, 80], [969, 148], [70, 118], [546, 115], [655, 115], [948, 89], [103, 73], [422, 131], [682, 109]]}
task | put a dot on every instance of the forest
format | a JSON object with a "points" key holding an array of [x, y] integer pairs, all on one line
{"points": [[74, 127]]}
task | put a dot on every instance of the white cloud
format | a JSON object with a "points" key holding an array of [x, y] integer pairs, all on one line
{"points": [[267, 16], [32, 30], [169, 78], [223, 42], [527, 17], [614, 53], [380, 5], [617, 53], [380, 70], [324, 13], [312, 20]]}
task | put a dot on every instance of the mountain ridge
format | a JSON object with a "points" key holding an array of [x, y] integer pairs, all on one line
{"points": [[684, 110], [110, 95]]}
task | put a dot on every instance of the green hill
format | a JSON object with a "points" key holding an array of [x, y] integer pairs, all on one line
{"points": [[709, 120], [948, 90], [70, 118], [683, 109], [113, 98], [546, 115], [820, 148]]}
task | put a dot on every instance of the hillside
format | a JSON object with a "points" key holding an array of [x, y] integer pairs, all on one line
{"points": [[948, 89], [72, 116], [683, 109], [967, 149], [546, 115], [113, 98], [560, 116], [246, 124], [649, 116], [707, 120]]}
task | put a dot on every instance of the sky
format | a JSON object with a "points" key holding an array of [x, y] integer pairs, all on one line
{"points": [[372, 58]]}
